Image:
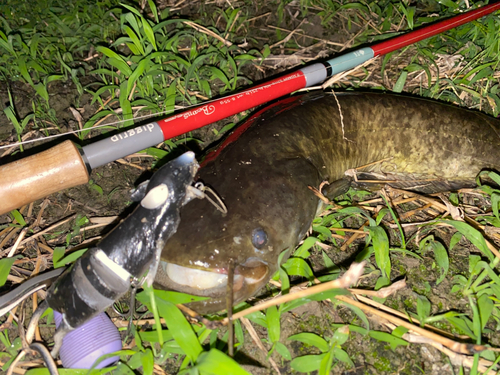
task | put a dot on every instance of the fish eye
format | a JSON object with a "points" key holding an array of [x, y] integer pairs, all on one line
{"points": [[259, 238]]}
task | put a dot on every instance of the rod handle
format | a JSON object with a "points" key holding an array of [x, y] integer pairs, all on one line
{"points": [[39, 175]]}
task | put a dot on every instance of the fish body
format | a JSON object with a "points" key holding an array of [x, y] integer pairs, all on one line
{"points": [[263, 169]]}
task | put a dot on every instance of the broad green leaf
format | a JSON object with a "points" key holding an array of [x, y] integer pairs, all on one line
{"points": [[147, 362], [283, 351], [340, 336], [61, 261], [302, 250], [152, 336], [476, 319], [307, 363], [258, 317], [495, 200], [330, 266], [273, 324], [326, 364], [463, 324], [455, 239], [400, 83], [399, 331], [423, 308], [18, 217], [136, 74], [485, 306], [342, 355], [135, 39], [180, 328], [238, 332], [440, 255], [285, 281], [176, 297], [381, 214], [473, 235], [393, 341], [381, 249], [298, 267], [5, 266], [324, 232], [330, 294], [311, 339], [217, 363]]}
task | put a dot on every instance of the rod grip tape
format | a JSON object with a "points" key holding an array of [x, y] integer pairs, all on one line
{"points": [[39, 175]]}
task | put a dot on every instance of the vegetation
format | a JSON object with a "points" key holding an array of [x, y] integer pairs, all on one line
{"points": [[128, 59]]}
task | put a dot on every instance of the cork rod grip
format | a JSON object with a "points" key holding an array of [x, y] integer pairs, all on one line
{"points": [[39, 175]]}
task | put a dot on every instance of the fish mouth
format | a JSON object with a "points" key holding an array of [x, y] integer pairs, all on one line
{"points": [[247, 280]]}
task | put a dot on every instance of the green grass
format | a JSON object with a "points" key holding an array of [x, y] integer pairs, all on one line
{"points": [[150, 60]]}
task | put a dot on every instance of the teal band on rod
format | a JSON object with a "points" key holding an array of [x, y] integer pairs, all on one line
{"points": [[350, 60]]}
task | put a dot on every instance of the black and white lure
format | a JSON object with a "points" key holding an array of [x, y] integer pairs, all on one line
{"points": [[131, 251]]}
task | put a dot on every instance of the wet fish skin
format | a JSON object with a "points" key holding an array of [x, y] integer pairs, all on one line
{"points": [[263, 176]]}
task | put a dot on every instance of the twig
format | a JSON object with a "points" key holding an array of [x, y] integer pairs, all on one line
{"points": [[451, 344], [349, 278]]}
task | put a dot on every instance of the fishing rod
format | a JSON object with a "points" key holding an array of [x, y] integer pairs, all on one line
{"points": [[66, 165]]}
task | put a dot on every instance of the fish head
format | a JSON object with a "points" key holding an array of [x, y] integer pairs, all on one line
{"points": [[268, 212]]}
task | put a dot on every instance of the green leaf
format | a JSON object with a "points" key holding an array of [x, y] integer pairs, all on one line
{"points": [[399, 331], [495, 200], [462, 324], [393, 341], [283, 351], [216, 362], [238, 331], [5, 266], [473, 235], [147, 362], [152, 336], [455, 239], [285, 281], [16, 215], [423, 308], [400, 83], [302, 250], [181, 330], [135, 75], [340, 335], [174, 297], [135, 39], [440, 254], [381, 214], [381, 249], [342, 355], [298, 267], [307, 363], [59, 261], [273, 324], [485, 306], [326, 364], [311, 339]]}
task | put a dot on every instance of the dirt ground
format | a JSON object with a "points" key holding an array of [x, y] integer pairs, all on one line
{"points": [[108, 196]]}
